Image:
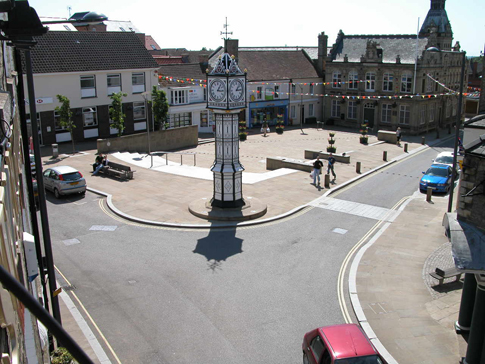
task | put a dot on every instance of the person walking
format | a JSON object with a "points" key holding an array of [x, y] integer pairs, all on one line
{"points": [[265, 128], [398, 135], [317, 166], [330, 166]]}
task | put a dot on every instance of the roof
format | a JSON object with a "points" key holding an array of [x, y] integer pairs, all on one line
{"points": [[150, 43], [347, 341], [61, 51], [120, 26], [187, 56], [311, 51], [402, 45], [477, 147], [477, 122], [436, 18]]}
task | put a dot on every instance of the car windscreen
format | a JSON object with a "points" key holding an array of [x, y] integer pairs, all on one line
{"points": [[439, 172], [445, 159], [74, 176], [371, 359]]}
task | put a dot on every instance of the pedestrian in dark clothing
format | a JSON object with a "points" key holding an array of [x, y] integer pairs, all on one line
{"points": [[331, 163], [398, 135], [317, 166]]}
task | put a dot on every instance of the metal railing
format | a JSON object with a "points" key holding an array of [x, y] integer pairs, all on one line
{"points": [[161, 153]]}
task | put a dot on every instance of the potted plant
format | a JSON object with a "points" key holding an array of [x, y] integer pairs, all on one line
{"points": [[331, 148], [243, 134], [280, 124], [364, 138]]}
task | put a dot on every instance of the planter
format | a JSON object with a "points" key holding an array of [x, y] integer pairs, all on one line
{"points": [[331, 149], [279, 131], [364, 140], [243, 136]]}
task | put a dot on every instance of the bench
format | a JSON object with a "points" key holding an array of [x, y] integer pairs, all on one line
{"points": [[441, 275], [117, 170]]}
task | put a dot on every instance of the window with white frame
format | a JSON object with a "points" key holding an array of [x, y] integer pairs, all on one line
{"points": [[88, 86], [138, 82], [293, 112], [293, 88], [352, 110], [370, 81], [335, 111], [431, 113], [422, 114], [180, 119], [406, 83], [57, 121], [337, 79], [259, 93], [89, 117], [404, 114], [353, 80], [311, 111], [114, 83], [179, 97], [204, 118], [139, 110], [312, 89], [387, 82], [277, 92], [386, 113]]}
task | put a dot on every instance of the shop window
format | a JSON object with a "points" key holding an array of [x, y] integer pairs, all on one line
{"points": [[89, 117], [180, 119], [204, 119]]}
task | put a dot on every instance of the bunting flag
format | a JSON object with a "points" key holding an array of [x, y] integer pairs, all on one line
{"points": [[358, 97]]}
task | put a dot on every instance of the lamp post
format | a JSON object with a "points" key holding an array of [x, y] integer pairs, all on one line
{"points": [[145, 96], [458, 118], [302, 108]]}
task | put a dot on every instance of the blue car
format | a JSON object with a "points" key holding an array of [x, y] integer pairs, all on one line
{"points": [[439, 177]]}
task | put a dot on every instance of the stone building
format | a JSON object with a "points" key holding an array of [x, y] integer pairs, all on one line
{"points": [[388, 81]]}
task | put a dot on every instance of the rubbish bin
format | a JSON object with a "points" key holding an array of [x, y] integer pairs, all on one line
{"points": [[55, 151]]}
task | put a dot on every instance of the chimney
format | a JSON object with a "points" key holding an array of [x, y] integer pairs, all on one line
{"points": [[322, 52], [232, 47]]}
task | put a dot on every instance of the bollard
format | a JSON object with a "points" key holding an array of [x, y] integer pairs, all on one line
{"points": [[423, 140], [405, 147], [357, 167], [384, 156], [55, 151], [429, 193], [327, 181], [449, 129]]}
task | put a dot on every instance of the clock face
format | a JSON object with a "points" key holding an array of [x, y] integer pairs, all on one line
{"points": [[217, 90], [236, 90]]}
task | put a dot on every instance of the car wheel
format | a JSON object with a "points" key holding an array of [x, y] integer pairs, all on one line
{"points": [[305, 359], [56, 193]]}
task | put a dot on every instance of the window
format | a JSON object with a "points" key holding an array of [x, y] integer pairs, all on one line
{"points": [[89, 116], [178, 120], [335, 112], [318, 347], [353, 80], [406, 83], [114, 83], [370, 81], [179, 97], [455, 104], [404, 113], [276, 92], [259, 93], [422, 114], [352, 110], [431, 113], [153, 47], [138, 82], [311, 111], [386, 113], [204, 119], [387, 82], [88, 86], [311, 89], [57, 121], [139, 111], [448, 108], [293, 88], [337, 79], [293, 112]]}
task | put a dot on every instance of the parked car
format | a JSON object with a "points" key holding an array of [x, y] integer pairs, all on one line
{"points": [[439, 177], [447, 158], [64, 180], [345, 343]]}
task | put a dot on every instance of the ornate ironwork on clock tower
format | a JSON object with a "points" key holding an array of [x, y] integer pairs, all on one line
{"points": [[226, 97]]}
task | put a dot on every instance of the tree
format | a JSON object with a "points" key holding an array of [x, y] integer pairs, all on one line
{"points": [[65, 117], [116, 115], [159, 108]]}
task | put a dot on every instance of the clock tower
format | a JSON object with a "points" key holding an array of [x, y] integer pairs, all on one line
{"points": [[226, 97]]}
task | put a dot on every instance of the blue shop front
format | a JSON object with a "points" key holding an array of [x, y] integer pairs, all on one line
{"points": [[267, 110]]}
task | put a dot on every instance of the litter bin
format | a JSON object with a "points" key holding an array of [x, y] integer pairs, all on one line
{"points": [[55, 151]]}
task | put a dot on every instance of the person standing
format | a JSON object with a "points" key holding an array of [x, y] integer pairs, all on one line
{"points": [[398, 135], [330, 166], [317, 166]]}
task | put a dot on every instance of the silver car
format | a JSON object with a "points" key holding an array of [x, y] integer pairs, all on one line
{"points": [[64, 180]]}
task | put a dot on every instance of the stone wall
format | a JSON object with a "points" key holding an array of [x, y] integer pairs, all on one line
{"points": [[470, 208], [161, 140]]}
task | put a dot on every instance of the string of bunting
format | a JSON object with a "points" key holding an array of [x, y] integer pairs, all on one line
{"points": [[361, 97]]}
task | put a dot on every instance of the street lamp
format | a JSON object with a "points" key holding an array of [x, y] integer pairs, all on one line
{"points": [[458, 117], [302, 108], [145, 96]]}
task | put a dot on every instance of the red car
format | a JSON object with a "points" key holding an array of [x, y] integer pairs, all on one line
{"points": [[345, 344]]}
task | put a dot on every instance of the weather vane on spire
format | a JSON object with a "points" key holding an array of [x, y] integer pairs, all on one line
{"points": [[225, 32]]}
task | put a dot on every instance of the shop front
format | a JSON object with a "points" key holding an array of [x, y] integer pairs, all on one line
{"points": [[268, 111]]}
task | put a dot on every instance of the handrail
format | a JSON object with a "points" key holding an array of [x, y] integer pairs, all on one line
{"points": [[167, 153]]}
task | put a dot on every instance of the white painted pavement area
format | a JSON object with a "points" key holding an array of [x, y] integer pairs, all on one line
{"points": [[160, 164], [354, 208]]}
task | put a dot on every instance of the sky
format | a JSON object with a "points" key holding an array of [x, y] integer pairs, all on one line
{"points": [[193, 24]]}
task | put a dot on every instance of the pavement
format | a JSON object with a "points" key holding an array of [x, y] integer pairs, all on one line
{"points": [[407, 316]]}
